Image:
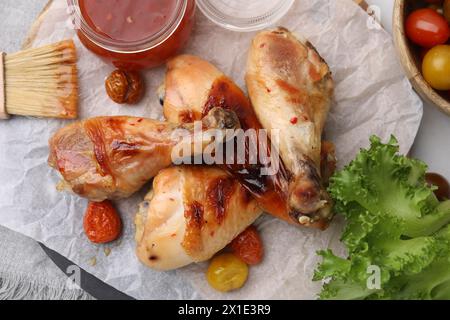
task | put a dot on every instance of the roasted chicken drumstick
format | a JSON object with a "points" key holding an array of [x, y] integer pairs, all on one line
{"points": [[291, 89], [113, 157], [191, 214]]}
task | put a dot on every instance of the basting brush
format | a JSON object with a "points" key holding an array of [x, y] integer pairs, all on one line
{"points": [[40, 82]]}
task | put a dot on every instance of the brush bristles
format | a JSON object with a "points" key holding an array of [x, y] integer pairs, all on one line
{"points": [[43, 82]]}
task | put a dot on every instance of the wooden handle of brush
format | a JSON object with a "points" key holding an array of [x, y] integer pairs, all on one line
{"points": [[3, 114]]}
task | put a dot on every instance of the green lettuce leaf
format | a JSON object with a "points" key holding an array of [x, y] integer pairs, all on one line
{"points": [[393, 222]]}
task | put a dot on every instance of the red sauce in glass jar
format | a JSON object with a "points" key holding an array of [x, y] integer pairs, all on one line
{"points": [[134, 34]]}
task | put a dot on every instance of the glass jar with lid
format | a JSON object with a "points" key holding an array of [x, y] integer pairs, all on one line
{"points": [[134, 34]]}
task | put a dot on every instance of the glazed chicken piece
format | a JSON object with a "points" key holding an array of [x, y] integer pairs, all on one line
{"points": [[191, 214], [291, 90], [113, 157]]}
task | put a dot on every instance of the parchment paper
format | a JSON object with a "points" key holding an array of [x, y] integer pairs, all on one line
{"points": [[372, 97]]}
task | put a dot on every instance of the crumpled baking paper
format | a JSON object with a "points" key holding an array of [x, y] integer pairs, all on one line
{"points": [[372, 97]]}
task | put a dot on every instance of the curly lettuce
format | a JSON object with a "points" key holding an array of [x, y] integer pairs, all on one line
{"points": [[394, 222]]}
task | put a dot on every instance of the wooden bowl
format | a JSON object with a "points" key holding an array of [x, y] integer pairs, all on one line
{"points": [[409, 57]]}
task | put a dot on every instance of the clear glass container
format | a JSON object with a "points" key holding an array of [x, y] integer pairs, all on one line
{"points": [[245, 15]]}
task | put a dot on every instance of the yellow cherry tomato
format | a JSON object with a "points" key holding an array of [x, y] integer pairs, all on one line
{"points": [[436, 67], [227, 273]]}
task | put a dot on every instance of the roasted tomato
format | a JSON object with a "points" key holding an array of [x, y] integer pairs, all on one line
{"points": [[124, 87], [436, 67], [102, 224], [227, 273], [248, 246], [427, 28]]}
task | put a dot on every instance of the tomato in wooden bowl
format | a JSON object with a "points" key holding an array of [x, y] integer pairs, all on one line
{"points": [[422, 38]]}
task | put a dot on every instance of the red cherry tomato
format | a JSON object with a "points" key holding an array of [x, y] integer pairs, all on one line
{"points": [[427, 28]]}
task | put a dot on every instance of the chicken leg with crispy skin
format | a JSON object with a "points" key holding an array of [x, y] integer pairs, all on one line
{"points": [[291, 89], [113, 157], [191, 214]]}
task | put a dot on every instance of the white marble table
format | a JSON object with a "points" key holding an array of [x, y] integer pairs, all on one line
{"points": [[23, 259]]}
